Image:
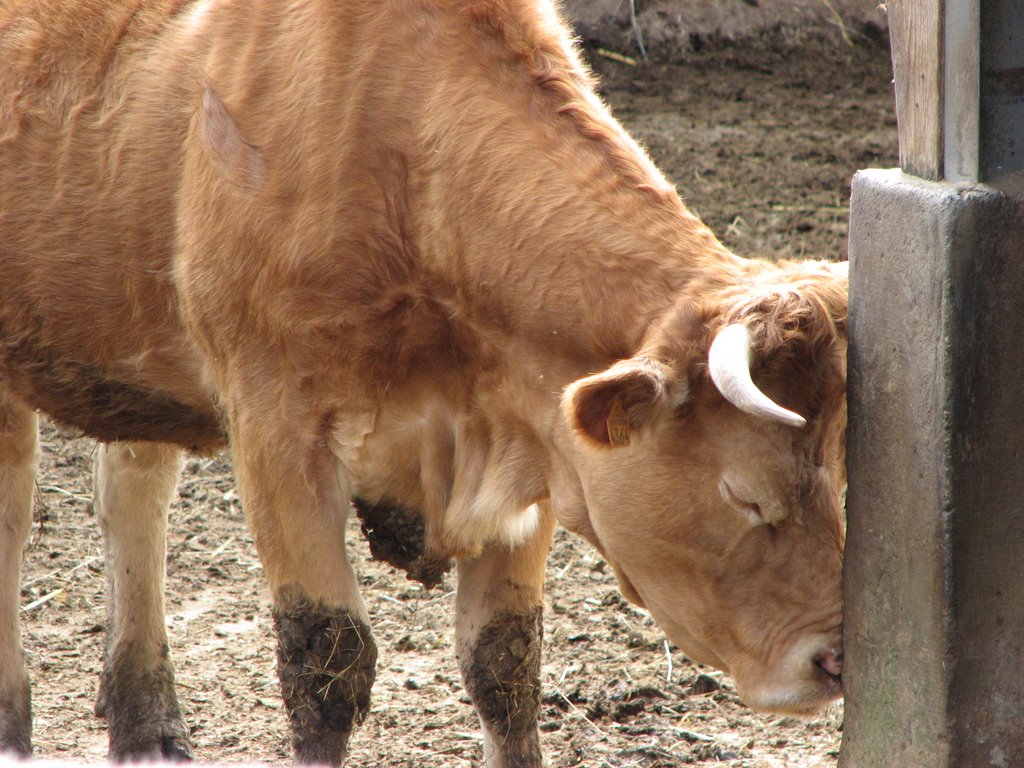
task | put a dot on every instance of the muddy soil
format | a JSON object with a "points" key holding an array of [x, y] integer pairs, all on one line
{"points": [[762, 141]]}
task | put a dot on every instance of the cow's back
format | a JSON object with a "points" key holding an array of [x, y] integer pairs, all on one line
{"points": [[89, 324], [291, 180], [117, 199]]}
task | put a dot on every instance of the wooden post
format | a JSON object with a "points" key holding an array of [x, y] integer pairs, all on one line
{"points": [[915, 29]]}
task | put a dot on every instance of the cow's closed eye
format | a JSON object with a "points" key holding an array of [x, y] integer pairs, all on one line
{"points": [[750, 509]]}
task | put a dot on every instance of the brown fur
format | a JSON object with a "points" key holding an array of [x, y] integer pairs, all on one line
{"points": [[401, 251]]}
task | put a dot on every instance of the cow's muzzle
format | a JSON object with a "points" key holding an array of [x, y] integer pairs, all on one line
{"points": [[831, 663]]}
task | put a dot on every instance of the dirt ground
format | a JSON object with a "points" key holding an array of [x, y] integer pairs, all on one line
{"points": [[762, 141]]}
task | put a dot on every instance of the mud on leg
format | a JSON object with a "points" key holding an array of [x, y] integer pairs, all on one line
{"points": [[499, 631], [296, 501], [326, 660]]}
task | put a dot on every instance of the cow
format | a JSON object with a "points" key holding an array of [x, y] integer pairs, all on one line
{"points": [[400, 259]]}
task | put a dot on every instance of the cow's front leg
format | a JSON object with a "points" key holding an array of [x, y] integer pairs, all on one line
{"points": [[19, 455], [297, 506], [498, 634], [133, 488]]}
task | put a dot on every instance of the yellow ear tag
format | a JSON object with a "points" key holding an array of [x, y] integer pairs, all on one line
{"points": [[618, 425]]}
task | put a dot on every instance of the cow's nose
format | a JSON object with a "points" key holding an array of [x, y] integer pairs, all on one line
{"points": [[831, 661]]}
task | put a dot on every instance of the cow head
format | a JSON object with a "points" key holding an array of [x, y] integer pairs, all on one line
{"points": [[711, 467]]}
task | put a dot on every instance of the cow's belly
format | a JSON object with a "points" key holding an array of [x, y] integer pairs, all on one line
{"points": [[85, 397], [106, 374], [113, 411], [89, 326]]}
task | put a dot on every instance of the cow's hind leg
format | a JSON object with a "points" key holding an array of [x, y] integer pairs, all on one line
{"points": [[19, 455], [297, 504], [134, 486], [498, 634]]}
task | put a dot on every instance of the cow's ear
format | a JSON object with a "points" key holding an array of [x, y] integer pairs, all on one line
{"points": [[608, 408]]}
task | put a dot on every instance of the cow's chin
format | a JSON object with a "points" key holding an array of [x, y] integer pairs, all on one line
{"points": [[796, 687], [805, 699]]}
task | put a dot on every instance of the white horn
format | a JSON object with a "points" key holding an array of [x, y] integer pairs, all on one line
{"points": [[729, 362]]}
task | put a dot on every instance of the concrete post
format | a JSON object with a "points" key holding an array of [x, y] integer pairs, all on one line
{"points": [[934, 570], [934, 579]]}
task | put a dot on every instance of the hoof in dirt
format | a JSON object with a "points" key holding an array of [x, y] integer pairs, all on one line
{"points": [[100, 707], [16, 723], [15, 747], [165, 739], [169, 748], [175, 750]]}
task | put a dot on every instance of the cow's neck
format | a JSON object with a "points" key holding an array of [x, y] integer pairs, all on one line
{"points": [[562, 246], [550, 224]]}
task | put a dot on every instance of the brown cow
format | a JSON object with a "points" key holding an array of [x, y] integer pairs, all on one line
{"points": [[400, 253]]}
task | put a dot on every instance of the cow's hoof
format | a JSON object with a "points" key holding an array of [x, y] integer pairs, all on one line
{"points": [[15, 743], [177, 749], [16, 722], [326, 661], [142, 713], [166, 740], [100, 708]]}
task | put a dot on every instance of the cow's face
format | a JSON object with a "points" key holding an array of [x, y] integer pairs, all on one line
{"points": [[726, 524]]}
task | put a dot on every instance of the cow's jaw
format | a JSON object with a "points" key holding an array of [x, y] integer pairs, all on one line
{"points": [[790, 678]]}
